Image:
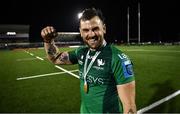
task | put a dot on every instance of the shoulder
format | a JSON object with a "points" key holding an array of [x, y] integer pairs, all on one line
{"points": [[76, 53], [81, 49], [78, 50], [118, 54], [115, 49], [122, 66]]}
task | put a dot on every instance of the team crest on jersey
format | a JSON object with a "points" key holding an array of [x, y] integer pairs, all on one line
{"points": [[100, 62]]}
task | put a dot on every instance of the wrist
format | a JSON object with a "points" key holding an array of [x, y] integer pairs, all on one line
{"points": [[48, 41]]}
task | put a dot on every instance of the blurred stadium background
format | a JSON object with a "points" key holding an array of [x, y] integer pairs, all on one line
{"points": [[29, 83]]}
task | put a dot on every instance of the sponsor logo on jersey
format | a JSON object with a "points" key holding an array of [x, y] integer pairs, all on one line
{"points": [[127, 68], [126, 65], [92, 80], [98, 68], [123, 56]]}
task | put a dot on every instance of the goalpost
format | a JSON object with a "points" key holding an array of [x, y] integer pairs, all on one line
{"points": [[139, 25]]}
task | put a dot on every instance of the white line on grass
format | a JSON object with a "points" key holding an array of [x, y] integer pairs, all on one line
{"points": [[67, 71], [31, 54], [28, 59], [39, 58], [158, 102], [59, 67], [43, 75], [35, 56]]}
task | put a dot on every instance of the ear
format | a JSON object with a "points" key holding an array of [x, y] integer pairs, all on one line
{"points": [[104, 28]]}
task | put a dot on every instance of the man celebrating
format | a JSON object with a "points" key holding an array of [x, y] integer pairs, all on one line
{"points": [[107, 82]]}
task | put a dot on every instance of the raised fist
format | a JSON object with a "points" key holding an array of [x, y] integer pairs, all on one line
{"points": [[48, 34]]}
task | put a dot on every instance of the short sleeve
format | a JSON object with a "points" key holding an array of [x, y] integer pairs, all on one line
{"points": [[122, 67], [73, 56]]}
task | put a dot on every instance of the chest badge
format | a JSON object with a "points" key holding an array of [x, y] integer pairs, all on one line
{"points": [[100, 62]]}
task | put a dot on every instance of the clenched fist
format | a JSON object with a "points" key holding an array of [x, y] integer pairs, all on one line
{"points": [[48, 34]]}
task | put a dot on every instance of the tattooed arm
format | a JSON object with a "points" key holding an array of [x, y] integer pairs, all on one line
{"points": [[54, 55], [48, 34], [127, 95]]}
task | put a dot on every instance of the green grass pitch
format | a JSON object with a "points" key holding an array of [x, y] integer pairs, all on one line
{"points": [[157, 72]]}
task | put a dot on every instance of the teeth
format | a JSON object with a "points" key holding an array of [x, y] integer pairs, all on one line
{"points": [[92, 41]]}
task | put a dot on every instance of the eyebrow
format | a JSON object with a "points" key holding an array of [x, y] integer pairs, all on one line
{"points": [[94, 28]]}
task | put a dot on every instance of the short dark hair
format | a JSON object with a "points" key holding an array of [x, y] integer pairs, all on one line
{"points": [[89, 13]]}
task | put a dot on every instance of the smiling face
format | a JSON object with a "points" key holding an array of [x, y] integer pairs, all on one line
{"points": [[92, 31]]}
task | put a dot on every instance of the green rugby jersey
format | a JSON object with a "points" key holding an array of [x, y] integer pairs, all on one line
{"points": [[111, 67]]}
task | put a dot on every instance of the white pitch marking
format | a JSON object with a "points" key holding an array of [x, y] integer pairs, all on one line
{"points": [[67, 71], [158, 102], [31, 54], [36, 56], [61, 68], [43, 75], [39, 58], [28, 59]]}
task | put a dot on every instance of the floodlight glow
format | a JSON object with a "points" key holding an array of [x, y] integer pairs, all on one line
{"points": [[79, 15]]}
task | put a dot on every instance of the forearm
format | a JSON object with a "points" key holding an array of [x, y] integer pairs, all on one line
{"points": [[127, 95], [49, 34], [129, 104], [52, 51]]}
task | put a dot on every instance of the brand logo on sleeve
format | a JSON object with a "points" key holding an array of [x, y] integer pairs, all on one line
{"points": [[126, 65]]}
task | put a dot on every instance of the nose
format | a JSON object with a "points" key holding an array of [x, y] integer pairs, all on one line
{"points": [[91, 33]]}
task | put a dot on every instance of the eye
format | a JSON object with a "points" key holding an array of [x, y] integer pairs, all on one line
{"points": [[95, 29], [85, 30]]}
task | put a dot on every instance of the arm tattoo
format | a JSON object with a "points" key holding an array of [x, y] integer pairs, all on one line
{"points": [[54, 54], [64, 57], [51, 50]]}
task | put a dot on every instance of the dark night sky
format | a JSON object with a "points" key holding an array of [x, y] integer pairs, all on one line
{"points": [[159, 18]]}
